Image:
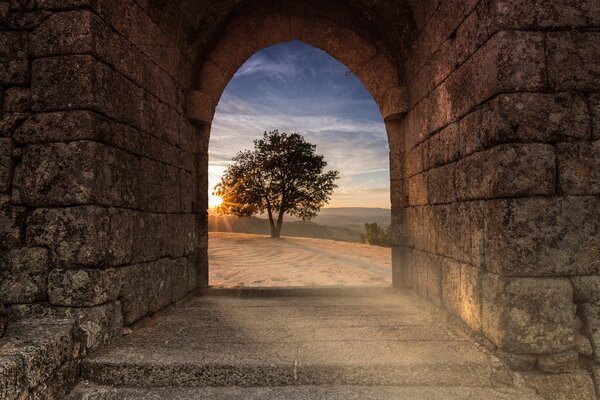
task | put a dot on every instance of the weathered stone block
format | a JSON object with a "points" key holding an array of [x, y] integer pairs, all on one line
{"points": [[537, 237], [83, 287], [82, 82], [443, 148], [470, 296], [159, 283], [440, 185], [525, 117], [7, 164], [418, 190], [23, 287], [32, 260], [575, 385], [12, 223], [590, 315], [12, 376], [14, 63], [451, 285], [558, 363], [573, 60], [586, 289], [79, 236], [134, 292], [9, 122], [528, 315], [71, 32], [567, 13], [75, 236], [17, 99], [507, 171], [458, 231], [179, 279], [579, 167]]}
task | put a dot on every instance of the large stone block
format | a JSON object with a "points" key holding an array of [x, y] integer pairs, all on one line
{"points": [[83, 82], [573, 60], [525, 117], [17, 99], [14, 61], [417, 190], [528, 315], [85, 236], [575, 385], [586, 289], [83, 287], [7, 164], [59, 174], [440, 185], [12, 376], [590, 315], [458, 230], [543, 236], [451, 285], [134, 292], [579, 168], [159, 283], [507, 171], [470, 296], [443, 148], [33, 260], [12, 223], [23, 287]]}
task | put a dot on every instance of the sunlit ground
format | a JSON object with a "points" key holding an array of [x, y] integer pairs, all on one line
{"points": [[237, 259]]}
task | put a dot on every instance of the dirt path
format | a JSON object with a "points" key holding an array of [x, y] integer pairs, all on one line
{"points": [[238, 259]]}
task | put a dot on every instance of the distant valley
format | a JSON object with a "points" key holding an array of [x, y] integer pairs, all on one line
{"points": [[343, 224]]}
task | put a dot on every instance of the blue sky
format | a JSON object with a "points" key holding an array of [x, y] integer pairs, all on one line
{"points": [[296, 87]]}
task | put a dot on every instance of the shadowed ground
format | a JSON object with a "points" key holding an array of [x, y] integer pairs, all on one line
{"points": [[238, 259]]}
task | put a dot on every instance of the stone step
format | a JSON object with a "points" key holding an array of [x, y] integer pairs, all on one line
{"points": [[225, 341], [91, 392]]}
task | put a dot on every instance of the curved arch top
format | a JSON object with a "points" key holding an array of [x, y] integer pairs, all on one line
{"points": [[244, 36]]}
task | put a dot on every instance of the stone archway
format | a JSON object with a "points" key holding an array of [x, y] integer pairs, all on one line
{"points": [[492, 110], [246, 36]]}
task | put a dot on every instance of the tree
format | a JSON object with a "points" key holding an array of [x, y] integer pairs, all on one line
{"points": [[282, 174], [378, 236]]}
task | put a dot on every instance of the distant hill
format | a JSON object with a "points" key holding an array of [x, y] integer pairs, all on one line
{"points": [[343, 224]]}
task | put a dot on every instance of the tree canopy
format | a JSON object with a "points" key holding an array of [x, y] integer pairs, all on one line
{"points": [[282, 174]]}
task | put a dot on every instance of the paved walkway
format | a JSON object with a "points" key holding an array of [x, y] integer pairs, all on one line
{"points": [[391, 346]]}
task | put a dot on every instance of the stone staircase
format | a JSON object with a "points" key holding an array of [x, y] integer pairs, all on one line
{"points": [[291, 344]]}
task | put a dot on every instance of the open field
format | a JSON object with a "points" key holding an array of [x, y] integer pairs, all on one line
{"points": [[237, 259]]}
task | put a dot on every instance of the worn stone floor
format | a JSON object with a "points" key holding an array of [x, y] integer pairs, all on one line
{"points": [[386, 346]]}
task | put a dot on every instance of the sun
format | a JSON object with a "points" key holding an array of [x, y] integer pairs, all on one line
{"points": [[214, 201]]}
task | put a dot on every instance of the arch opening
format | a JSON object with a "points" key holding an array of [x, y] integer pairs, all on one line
{"points": [[295, 87]]}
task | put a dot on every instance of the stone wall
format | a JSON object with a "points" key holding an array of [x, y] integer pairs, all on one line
{"points": [[496, 183], [493, 115], [102, 215]]}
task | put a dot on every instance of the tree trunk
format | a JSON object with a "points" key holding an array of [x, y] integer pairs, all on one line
{"points": [[277, 232], [270, 213]]}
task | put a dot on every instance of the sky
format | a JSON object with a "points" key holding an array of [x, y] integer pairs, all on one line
{"points": [[294, 87]]}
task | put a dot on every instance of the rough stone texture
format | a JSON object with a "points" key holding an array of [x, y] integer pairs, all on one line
{"points": [[83, 287], [558, 363], [590, 314], [528, 315], [586, 289], [543, 237], [575, 385], [579, 168], [507, 171], [487, 101]]}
